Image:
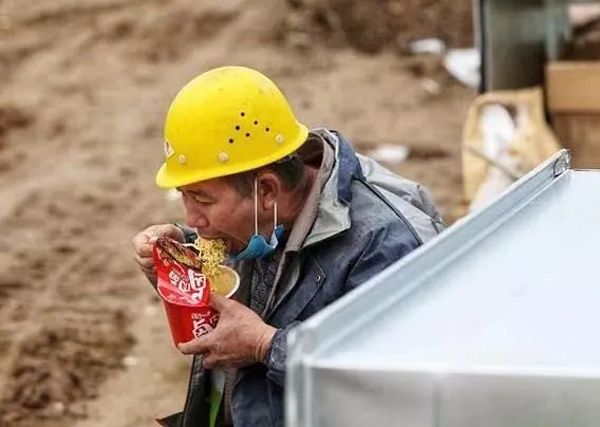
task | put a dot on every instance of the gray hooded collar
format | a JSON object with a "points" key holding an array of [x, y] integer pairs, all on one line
{"points": [[333, 213]]}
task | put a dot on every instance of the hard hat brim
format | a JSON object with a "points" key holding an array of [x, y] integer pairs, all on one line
{"points": [[168, 177]]}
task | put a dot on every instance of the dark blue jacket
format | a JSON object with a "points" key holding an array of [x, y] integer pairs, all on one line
{"points": [[367, 219]]}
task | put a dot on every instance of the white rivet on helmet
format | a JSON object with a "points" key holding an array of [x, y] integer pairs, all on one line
{"points": [[279, 138], [182, 159], [223, 157]]}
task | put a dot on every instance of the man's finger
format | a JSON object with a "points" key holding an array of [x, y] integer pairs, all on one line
{"points": [[165, 230], [196, 346], [219, 302], [209, 361], [144, 250], [140, 240], [149, 271], [144, 262]]}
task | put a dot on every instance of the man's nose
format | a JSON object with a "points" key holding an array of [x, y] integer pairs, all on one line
{"points": [[195, 218]]}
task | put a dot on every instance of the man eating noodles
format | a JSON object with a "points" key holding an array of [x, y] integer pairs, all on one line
{"points": [[304, 220]]}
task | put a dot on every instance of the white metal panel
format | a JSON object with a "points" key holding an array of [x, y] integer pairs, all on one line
{"points": [[496, 320]]}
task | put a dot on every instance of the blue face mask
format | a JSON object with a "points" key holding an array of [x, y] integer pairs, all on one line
{"points": [[257, 247]]}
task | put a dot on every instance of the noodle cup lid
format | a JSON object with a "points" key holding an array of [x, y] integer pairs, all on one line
{"points": [[177, 282]]}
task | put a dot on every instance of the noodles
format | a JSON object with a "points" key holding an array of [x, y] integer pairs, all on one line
{"points": [[212, 255]]}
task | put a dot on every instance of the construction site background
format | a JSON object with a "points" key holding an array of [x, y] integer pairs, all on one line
{"points": [[84, 87]]}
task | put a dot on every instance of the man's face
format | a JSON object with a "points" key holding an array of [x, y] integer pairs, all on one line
{"points": [[218, 211]]}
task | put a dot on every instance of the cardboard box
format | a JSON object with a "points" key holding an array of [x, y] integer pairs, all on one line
{"points": [[581, 134], [573, 99], [573, 87]]}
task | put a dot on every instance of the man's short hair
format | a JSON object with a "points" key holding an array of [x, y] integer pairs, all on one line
{"points": [[290, 169]]}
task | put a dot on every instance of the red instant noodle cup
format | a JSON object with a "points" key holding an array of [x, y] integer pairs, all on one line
{"points": [[185, 291]]}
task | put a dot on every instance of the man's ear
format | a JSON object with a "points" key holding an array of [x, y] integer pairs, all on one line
{"points": [[269, 189]]}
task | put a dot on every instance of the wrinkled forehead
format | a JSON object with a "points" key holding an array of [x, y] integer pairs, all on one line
{"points": [[211, 188]]}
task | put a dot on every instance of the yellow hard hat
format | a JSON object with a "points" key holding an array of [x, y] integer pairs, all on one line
{"points": [[225, 121]]}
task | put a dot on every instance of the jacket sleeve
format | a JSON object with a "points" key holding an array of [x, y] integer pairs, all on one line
{"points": [[277, 355]]}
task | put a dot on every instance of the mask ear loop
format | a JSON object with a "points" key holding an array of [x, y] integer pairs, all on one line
{"points": [[255, 205]]}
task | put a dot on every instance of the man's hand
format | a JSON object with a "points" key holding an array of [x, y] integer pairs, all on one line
{"points": [[240, 338], [143, 241]]}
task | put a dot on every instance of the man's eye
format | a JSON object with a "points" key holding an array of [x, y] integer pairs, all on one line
{"points": [[200, 201]]}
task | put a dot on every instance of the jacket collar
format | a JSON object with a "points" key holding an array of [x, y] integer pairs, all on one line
{"points": [[333, 213]]}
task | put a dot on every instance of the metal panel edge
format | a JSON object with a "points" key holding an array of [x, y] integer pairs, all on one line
{"points": [[297, 381], [382, 292]]}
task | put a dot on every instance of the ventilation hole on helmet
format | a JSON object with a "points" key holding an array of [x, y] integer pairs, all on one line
{"points": [[267, 129], [247, 135], [242, 114], [255, 122], [231, 140], [237, 127]]}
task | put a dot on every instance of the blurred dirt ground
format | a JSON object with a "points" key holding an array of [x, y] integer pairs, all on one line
{"points": [[84, 87]]}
